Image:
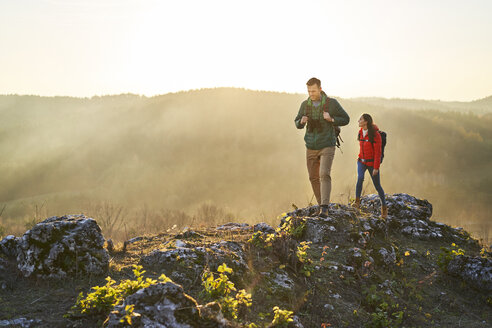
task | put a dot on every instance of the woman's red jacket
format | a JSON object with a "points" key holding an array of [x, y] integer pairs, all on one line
{"points": [[369, 150]]}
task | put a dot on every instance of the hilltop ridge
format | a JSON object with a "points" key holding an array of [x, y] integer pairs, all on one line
{"points": [[349, 269]]}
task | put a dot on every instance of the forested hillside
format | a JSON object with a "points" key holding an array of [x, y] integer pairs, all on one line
{"points": [[225, 153]]}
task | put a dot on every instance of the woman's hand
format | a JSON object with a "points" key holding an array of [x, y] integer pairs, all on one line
{"points": [[375, 172]]}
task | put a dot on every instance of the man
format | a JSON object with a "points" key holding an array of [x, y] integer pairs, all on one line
{"points": [[321, 114]]}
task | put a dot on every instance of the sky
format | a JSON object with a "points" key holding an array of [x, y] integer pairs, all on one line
{"points": [[426, 49]]}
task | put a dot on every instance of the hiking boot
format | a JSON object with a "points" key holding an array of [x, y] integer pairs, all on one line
{"points": [[384, 211], [324, 211], [314, 210], [357, 202]]}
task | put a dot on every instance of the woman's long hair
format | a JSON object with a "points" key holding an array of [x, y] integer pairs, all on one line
{"points": [[370, 127]]}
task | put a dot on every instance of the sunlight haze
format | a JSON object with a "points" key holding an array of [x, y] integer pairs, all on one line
{"points": [[405, 49]]}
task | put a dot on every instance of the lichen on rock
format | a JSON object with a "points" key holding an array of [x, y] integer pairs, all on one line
{"points": [[62, 246]]}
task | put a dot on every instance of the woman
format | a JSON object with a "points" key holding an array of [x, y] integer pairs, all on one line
{"points": [[369, 159]]}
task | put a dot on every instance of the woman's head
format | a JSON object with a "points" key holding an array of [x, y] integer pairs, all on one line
{"points": [[365, 121]]}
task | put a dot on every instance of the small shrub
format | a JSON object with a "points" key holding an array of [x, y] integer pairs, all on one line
{"points": [[293, 227], [127, 318], [104, 298], [304, 259], [221, 289], [259, 240], [281, 318]]}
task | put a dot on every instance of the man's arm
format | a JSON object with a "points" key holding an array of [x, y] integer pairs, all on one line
{"points": [[298, 118], [339, 116]]}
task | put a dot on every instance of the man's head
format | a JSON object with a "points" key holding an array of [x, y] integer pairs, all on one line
{"points": [[314, 89]]}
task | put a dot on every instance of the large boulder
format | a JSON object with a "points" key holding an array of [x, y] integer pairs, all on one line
{"points": [[164, 305], [63, 246]]}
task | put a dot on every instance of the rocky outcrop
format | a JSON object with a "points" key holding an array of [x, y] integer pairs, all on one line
{"points": [[62, 246], [476, 271], [165, 305], [408, 215], [306, 252]]}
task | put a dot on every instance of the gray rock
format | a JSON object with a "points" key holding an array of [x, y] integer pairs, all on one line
{"points": [[329, 307], [212, 312], [232, 226], [282, 280], [296, 323], [61, 246], [421, 229], [193, 260], [10, 246], [165, 305], [399, 205], [476, 271], [20, 322], [186, 233], [164, 257], [263, 227], [318, 229], [388, 257]]}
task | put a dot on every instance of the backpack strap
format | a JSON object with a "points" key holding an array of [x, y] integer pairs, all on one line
{"points": [[326, 104]]}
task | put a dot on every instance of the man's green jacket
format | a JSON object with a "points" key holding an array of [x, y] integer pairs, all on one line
{"points": [[324, 135]]}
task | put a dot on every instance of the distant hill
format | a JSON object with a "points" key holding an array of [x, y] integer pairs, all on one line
{"points": [[480, 106], [484, 101], [228, 152]]}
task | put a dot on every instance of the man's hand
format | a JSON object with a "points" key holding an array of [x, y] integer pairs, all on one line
{"points": [[327, 117], [375, 172], [304, 119]]}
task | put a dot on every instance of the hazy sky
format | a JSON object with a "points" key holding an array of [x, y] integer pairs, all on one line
{"points": [[431, 49]]}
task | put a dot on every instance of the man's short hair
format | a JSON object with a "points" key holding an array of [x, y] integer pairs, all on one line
{"points": [[313, 81]]}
